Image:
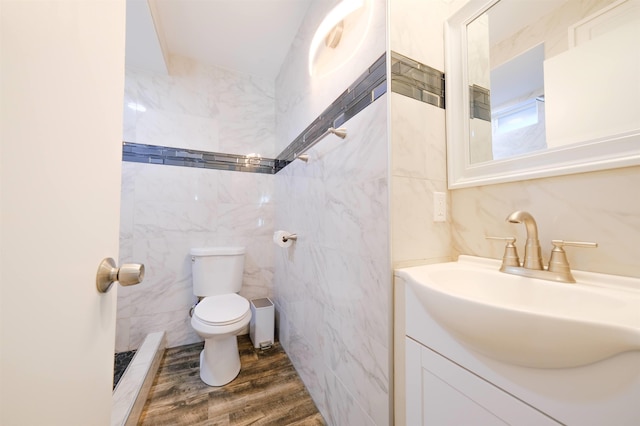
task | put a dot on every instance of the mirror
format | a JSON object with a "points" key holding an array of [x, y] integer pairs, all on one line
{"points": [[537, 89]]}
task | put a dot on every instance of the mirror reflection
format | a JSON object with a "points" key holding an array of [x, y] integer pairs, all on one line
{"points": [[546, 74]]}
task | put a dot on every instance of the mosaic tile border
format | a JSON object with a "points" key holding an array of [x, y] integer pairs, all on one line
{"points": [[416, 80], [154, 154], [480, 100], [365, 90]]}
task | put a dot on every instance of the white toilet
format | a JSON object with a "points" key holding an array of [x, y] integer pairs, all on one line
{"points": [[222, 313]]}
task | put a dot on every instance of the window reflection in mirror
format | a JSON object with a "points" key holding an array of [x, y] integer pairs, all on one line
{"points": [[540, 74]]}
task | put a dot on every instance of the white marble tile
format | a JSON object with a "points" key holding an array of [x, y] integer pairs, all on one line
{"points": [[355, 219], [412, 23], [244, 219], [129, 113], [361, 365], [201, 107], [584, 207], [175, 324], [246, 188], [308, 363], [172, 209], [342, 407], [363, 155], [414, 234], [417, 139], [156, 219], [174, 184], [179, 130], [337, 203]]}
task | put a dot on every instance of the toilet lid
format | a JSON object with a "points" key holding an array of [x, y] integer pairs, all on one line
{"points": [[221, 310]]}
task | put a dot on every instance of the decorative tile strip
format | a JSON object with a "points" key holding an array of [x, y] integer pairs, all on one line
{"points": [[367, 88], [153, 154], [480, 100], [415, 80]]}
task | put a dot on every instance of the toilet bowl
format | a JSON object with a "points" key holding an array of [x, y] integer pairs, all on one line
{"points": [[218, 320], [221, 314]]}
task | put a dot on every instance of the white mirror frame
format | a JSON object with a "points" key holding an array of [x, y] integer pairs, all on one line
{"points": [[621, 150]]}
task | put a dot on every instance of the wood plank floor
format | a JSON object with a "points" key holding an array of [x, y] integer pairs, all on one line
{"points": [[268, 391]]}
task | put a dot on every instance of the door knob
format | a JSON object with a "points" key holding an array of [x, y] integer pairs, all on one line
{"points": [[127, 274]]}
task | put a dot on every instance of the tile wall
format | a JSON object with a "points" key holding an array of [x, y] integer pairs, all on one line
{"points": [[418, 140], [333, 286], [166, 210], [200, 107], [599, 206]]}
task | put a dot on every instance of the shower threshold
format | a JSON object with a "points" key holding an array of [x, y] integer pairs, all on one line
{"points": [[131, 391]]}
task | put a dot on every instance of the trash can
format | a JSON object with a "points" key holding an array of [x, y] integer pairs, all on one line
{"points": [[262, 325]]}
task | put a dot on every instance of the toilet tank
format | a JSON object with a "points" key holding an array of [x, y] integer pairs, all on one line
{"points": [[216, 270]]}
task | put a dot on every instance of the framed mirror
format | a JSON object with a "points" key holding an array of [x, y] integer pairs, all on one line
{"points": [[541, 88]]}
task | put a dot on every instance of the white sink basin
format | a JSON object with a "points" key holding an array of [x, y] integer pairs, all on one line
{"points": [[527, 321]]}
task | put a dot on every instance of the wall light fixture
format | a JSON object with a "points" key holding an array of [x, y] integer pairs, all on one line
{"points": [[331, 28]]}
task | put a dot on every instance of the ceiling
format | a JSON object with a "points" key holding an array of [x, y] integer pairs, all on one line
{"points": [[249, 36]]}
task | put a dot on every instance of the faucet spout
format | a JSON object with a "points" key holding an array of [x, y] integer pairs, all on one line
{"points": [[532, 251]]}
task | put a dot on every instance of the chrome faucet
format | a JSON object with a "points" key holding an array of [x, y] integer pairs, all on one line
{"points": [[558, 269], [532, 252]]}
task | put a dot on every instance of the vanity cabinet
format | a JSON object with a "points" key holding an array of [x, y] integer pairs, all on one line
{"points": [[440, 381], [440, 392]]}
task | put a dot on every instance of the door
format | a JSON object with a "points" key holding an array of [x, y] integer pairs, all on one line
{"points": [[62, 85]]}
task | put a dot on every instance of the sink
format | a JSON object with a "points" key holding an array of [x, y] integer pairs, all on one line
{"points": [[528, 321]]}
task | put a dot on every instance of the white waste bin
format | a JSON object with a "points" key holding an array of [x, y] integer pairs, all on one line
{"points": [[262, 325]]}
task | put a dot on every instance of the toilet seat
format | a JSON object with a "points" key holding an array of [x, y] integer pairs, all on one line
{"points": [[224, 309]]}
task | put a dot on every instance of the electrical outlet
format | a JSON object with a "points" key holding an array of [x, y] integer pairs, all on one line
{"points": [[439, 207]]}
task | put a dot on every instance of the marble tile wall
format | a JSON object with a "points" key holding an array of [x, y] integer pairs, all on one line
{"points": [[166, 210], [300, 97], [333, 286], [418, 144], [599, 206], [200, 107]]}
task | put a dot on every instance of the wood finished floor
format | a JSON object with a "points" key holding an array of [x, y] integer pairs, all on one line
{"points": [[268, 391]]}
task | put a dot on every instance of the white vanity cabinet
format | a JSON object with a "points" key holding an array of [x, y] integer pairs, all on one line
{"points": [[439, 381], [440, 392]]}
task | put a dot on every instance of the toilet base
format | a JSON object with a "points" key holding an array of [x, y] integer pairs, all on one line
{"points": [[219, 360]]}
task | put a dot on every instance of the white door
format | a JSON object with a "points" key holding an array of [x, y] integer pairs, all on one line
{"points": [[62, 82]]}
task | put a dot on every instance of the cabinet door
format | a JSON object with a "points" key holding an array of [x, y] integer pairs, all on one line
{"points": [[442, 393]]}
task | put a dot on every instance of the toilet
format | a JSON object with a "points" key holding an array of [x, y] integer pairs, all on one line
{"points": [[221, 313]]}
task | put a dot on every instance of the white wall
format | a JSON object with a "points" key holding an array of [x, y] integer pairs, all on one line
{"points": [[333, 286], [166, 210]]}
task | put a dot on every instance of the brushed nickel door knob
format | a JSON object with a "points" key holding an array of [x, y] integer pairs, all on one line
{"points": [[127, 274]]}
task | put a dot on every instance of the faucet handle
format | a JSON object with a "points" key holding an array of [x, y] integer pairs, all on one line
{"points": [[510, 257], [584, 244], [558, 261]]}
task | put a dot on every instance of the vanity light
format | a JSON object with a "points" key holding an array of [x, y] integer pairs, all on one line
{"points": [[331, 28]]}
